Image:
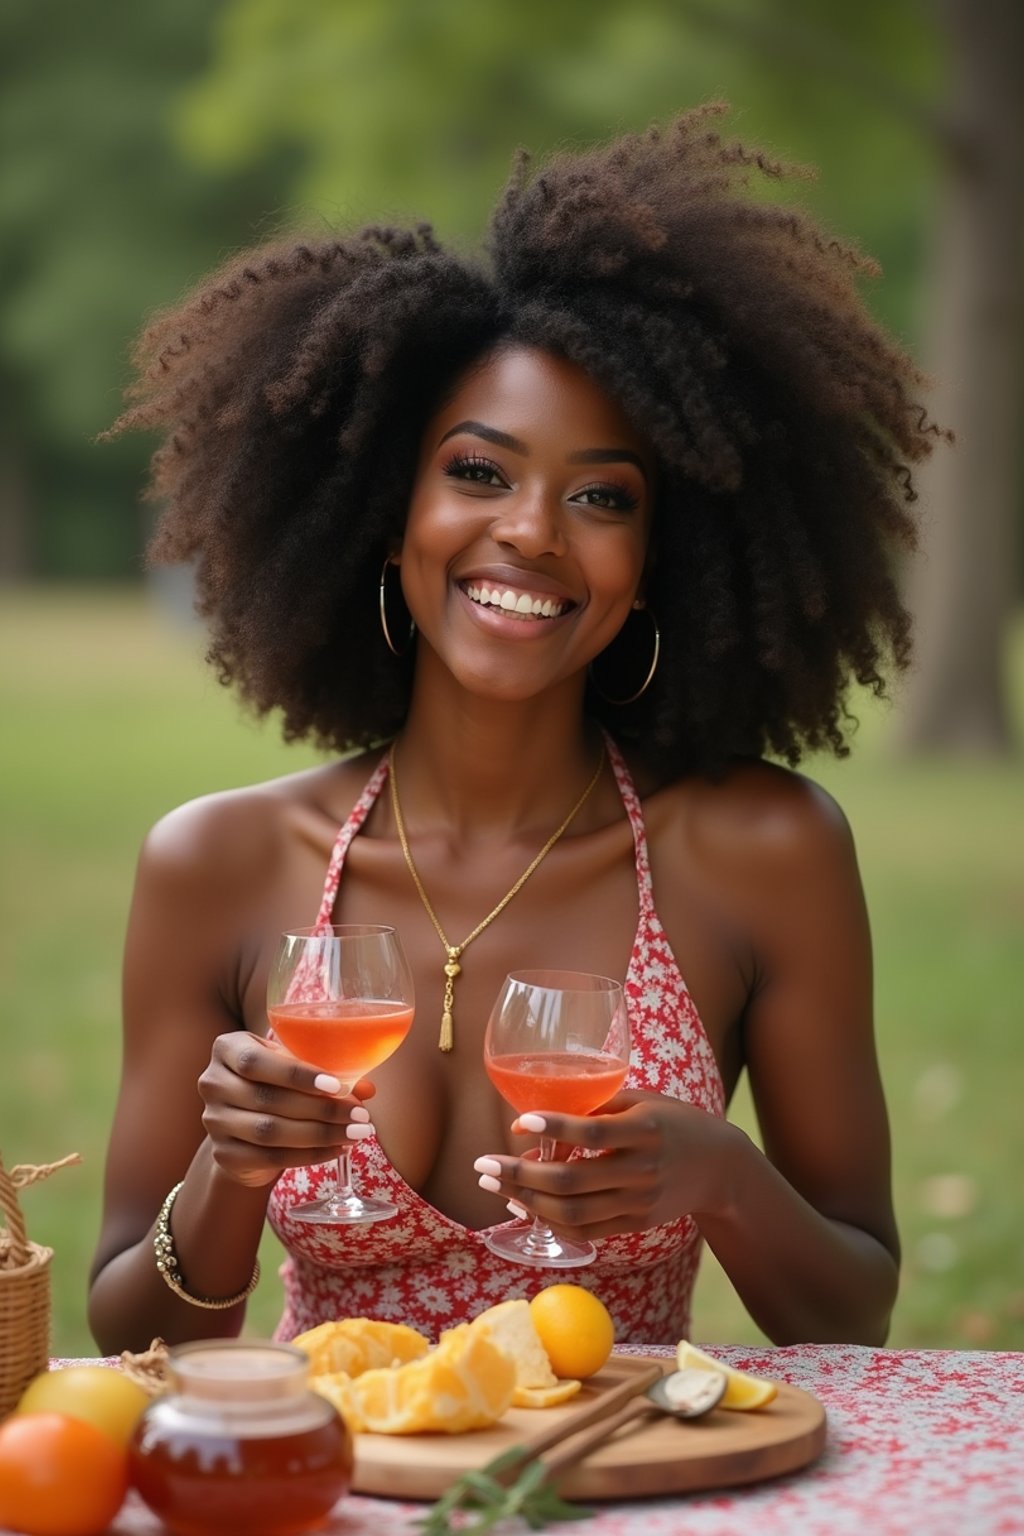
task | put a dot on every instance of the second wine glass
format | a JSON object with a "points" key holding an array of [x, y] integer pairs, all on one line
{"points": [[559, 1041], [341, 998]]}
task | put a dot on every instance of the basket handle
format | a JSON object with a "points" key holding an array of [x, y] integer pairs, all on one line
{"points": [[20, 1177]]}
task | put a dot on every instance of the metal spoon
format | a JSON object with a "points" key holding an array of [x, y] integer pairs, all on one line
{"points": [[689, 1393], [686, 1394]]}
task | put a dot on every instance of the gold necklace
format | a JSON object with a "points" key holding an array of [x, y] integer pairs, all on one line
{"points": [[453, 952]]}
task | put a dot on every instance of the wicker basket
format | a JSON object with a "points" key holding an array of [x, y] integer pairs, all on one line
{"points": [[24, 1288]]}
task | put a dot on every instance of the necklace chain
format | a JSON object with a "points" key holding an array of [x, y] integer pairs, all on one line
{"points": [[453, 952]]}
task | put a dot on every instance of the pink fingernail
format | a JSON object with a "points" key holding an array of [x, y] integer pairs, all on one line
{"points": [[361, 1115], [492, 1186], [517, 1210], [326, 1083], [535, 1123], [488, 1165], [358, 1132]]}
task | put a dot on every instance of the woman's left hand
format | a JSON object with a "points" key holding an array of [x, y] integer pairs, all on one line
{"points": [[662, 1159]]}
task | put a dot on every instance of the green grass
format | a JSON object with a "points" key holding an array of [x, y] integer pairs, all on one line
{"points": [[108, 718]]}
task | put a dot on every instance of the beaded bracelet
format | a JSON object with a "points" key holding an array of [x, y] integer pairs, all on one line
{"points": [[167, 1263]]}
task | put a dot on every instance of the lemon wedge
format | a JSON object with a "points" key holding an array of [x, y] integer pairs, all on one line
{"points": [[742, 1392]]}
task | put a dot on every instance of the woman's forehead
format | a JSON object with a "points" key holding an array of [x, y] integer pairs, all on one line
{"points": [[531, 393]]}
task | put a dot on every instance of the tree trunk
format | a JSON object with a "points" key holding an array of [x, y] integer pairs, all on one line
{"points": [[15, 516], [963, 584]]}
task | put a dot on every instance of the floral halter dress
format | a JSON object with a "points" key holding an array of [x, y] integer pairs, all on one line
{"points": [[427, 1270]]}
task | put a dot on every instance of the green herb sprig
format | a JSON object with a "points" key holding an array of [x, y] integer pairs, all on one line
{"points": [[530, 1497]]}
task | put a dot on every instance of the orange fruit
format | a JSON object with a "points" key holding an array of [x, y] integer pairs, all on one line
{"points": [[100, 1394], [741, 1391], [59, 1476], [575, 1328]]}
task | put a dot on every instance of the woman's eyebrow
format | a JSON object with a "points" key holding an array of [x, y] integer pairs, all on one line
{"points": [[608, 456], [489, 435]]}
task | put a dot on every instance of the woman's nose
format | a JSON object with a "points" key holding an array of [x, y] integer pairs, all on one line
{"points": [[530, 521]]}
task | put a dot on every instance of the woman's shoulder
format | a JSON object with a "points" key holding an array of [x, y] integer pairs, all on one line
{"points": [[755, 813], [237, 834]]}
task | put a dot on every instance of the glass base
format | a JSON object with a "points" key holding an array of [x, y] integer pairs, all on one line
{"points": [[343, 1210], [533, 1244]]}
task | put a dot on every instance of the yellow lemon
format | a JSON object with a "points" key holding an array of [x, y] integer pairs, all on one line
{"points": [[575, 1329], [100, 1394], [741, 1391]]}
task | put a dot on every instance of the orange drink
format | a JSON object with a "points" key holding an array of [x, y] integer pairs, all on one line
{"points": [[347, 1036], [568, 1082]]}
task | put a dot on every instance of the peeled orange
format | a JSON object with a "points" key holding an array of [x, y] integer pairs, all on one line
{"points": [[357, 1344], [465, 1383]]}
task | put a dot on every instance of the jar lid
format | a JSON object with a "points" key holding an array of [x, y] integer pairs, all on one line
{"points": [[223, 1369]]}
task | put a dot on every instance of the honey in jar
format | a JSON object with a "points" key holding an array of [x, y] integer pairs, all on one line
{"points": [[240, 1443]]}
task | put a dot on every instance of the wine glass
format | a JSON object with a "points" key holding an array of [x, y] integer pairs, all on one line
{"points": [[555, 1040], [342, 998]]}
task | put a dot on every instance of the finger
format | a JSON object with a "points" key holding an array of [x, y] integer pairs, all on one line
{"points": [[257, 1166], [257, 1060], [596, 1133], [256, 1129], [516, 1177]]}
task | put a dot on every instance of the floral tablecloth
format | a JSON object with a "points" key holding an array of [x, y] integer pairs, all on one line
{"points": [[920, 1443]]}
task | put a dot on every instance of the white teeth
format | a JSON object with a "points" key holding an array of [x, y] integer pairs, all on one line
{"points": [[518, 603]]}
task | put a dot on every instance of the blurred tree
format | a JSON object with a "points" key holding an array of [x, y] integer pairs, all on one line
{"points": [[405, 108], [102, 219], [966, 585]]}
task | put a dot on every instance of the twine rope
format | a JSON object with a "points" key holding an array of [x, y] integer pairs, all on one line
{"points": [[14, 1248]]}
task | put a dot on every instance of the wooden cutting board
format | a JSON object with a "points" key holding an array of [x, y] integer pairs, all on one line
{"points": [[649, 1456]]}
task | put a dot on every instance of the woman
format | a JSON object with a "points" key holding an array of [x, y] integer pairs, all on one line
{"points": [[566, 543]]}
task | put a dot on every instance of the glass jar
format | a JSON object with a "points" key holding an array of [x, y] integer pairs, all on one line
{"points": [[240, 1443]]}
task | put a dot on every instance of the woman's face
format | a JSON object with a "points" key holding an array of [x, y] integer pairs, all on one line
{"points": [[528, 524]]}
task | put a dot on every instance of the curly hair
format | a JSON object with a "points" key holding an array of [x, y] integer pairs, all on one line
{"points": [[293, 386]]}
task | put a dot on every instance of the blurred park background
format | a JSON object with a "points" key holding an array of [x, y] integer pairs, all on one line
{"points": [[142, 145]]}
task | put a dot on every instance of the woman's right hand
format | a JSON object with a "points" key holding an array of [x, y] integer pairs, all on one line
{"points": [[264, 1110]]}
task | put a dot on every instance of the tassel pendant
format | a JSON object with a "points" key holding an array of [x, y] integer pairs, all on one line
{"points": [[452, 968]]}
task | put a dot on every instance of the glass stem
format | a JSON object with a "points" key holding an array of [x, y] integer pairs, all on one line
{"points": [[344, 1190], [540, 1231]]}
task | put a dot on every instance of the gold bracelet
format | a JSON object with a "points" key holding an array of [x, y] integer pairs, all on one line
{"points": [[167, 1263]]}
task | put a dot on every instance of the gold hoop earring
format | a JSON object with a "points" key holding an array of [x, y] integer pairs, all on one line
{"points": [[638, 607], [392, 647]]}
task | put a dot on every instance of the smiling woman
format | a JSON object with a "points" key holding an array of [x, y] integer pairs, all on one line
{"points": [[537, 500], [567, 541]]}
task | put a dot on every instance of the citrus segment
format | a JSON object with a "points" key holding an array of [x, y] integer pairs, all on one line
{"points": [[545, 1397], [465, 1383], [510, 1326], [742, 1391], [575, 1328], [357, 1344]]}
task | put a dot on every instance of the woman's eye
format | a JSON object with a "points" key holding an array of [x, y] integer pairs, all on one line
{"points": [[614, 498], [478, 471]]}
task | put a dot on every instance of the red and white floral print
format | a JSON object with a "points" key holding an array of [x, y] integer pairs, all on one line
{"points": [[427, 1270]]}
